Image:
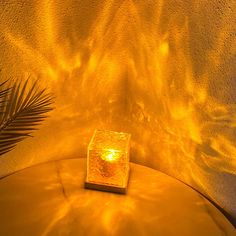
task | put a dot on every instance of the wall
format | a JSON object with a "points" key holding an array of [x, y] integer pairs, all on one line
{"points": [[162, 70]]}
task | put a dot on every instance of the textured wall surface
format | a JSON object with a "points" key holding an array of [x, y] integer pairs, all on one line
{"points": [[165, 71]]}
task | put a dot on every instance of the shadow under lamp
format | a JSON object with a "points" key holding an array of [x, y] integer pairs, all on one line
{"points": [[108, 161]]}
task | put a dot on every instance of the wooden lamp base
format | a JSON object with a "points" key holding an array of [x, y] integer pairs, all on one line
{"points": [[107, 188]]}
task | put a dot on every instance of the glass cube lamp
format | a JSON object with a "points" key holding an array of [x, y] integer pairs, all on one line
{"points": [[108, 161]]}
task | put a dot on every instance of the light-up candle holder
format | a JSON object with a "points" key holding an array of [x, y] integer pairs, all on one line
{"points": [[108, 161]]}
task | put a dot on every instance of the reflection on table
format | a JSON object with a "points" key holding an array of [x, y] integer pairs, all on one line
{"points": [[50, 199]]}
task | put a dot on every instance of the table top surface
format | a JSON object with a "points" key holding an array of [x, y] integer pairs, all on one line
{"points": [[50, 199]]}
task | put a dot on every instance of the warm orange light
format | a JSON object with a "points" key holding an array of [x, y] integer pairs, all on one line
{"points": [[110, 155], [108, 161]]}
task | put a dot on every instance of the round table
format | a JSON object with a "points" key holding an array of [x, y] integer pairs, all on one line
{"points": [[50, 199]]}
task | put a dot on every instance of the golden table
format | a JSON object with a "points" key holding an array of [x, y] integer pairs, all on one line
{"points": [[50, 199]]}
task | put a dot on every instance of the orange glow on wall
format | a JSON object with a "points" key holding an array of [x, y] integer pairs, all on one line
{"points": [[108, 161], [163, 71]]}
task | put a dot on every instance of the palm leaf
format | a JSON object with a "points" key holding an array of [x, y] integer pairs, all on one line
{"points": [[21, 109], [3, 95]]}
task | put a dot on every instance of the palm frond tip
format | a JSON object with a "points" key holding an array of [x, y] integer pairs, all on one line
{"points": [[22, 107]]}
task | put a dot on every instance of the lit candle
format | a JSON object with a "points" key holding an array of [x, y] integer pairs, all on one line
{"points": [[108, 161]]}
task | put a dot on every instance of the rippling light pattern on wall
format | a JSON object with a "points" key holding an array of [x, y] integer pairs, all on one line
{"points": [[163, 71]]}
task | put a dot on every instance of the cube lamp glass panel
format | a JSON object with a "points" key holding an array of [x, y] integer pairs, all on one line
{"points": [[108, 161]]}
